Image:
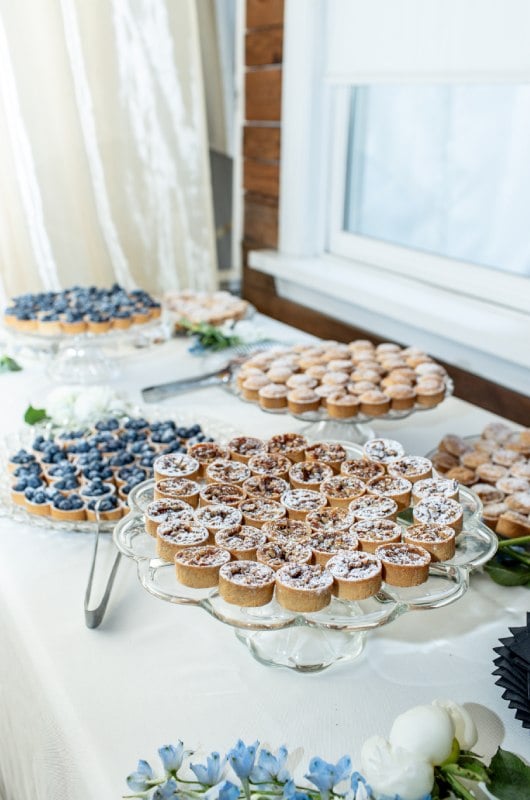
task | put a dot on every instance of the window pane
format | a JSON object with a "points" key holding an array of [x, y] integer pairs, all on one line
{"points": [[445, 169]]}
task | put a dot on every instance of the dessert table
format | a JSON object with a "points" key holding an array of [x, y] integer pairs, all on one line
{"points": [[78, 707]]}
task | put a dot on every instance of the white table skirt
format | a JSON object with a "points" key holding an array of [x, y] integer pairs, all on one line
{"points": [[79, 707]]}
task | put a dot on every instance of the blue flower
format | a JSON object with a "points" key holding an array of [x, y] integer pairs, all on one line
{"points": [[361, 789], [325, 776], [290, 792], [242, 758], [169, 791], [210, 773], [139, 780], [223, 791], [270, 768], [171, 756]]}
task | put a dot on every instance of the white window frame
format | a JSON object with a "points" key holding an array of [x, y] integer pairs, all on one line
{"points": [[474, 315]]}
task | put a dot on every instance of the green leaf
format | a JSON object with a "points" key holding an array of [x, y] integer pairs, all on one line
{"points": [[472, 771], [459, 789], [34, 415], [518, 575], [473, 765], [510, 776], [8, 364]]}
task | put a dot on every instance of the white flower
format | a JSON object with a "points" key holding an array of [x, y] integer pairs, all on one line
{"points": [[392, 770], [93, 402], [465, 729], [426, 731], [60, 402]]}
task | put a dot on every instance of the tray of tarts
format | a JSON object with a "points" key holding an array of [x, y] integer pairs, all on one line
{"points": [[356, 382], [303, 546], [496, 466]]}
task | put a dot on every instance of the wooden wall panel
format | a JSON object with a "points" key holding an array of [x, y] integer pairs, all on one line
{"points": [[262, 143], [264, 46], [264, 12], [263, 95], [262, 177], [261, 221]]}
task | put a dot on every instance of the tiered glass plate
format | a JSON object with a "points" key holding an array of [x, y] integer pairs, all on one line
{"points": [[309, 642]]}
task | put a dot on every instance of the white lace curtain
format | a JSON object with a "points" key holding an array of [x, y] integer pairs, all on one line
{"points": [[104, 172]]}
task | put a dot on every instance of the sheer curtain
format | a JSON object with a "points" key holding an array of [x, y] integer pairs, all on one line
{"points": [[104, 172]]}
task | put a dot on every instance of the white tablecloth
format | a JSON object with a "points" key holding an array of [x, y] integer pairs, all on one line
{"points": [[79, 707]]}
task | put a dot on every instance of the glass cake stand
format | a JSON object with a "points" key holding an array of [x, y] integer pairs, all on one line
{"points": [[85, 358], [309, 642]]}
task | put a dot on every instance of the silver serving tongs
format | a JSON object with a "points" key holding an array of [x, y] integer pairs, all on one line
{"points": [[94, 616]]}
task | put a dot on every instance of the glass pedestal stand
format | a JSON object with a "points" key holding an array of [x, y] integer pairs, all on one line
{"points": [[347, 431]]}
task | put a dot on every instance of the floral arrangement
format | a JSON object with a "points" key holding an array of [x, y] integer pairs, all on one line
{"points": [[426, 757], [214, 338], [72, 405]]}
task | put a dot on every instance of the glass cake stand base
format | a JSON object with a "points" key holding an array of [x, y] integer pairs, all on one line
{"points": [[82, 362], [346, 431], [303, 649]]}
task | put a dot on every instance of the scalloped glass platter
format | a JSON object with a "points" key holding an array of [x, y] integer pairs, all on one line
{"points": [[215, 428], [309, 642]]}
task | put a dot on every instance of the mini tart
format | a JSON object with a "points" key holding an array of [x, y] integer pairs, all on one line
{"points": [[399, 489], [342, 405], [112, 515], [172, 537], [404, 564], [160, 511], [474, 459], [73, 328], [205, 453], [42, 509], [299, 401], [224, 471], [521, 469], [198, 567], [179, 489], [299, 502], [265, 486], [444, 462], [246, 583], [492, 512], [435, 487], [512, 485], [383, 451], [512, 524], [519, 501], [49, 327], [438, 540], [330, 453], [325, 391], [18, 497], [324, 544], [256, 511], [490, 473], [309, 474], [270, 464], [330, 520], [454, 445], [291, 445], [430, 392], [487, 493], [440, 511], [242, 448], [230, 494], [401, 395], [374, 403], [251, 386], [301, 381], [273, 396], [340, 490], [279, 375], [287, 530], [413, 468], [65, 515], [99, 326], [462, 475], [175, 465], [361, 469], [241, 541], [374, 506], [217, 516], [374, 532], [338, 378], [303, 588], [276, 554], [356, 575]]}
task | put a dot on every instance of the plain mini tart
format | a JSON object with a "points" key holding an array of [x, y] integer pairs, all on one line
{"points": [[205, 453], [440, 511], [299, 401], [399, 489], [342, 405], [242, 448], [402, 396], [356, 575], [251, 386], [273, 396], [383, 451], [438, 540], [340, 490], [241, 541], [303, 587], [492, 512], [300, 502], [246, 583], [175, 465], [513, 524], [276, 554], [267, 487], [287, 530], [430, 392], [374, 506], [309, 474], [330, 520], [291, 445], [198, 567], [217, 516], [373, 403], [330, 453], [160, 511], [179, 489], [413, 468], [270, 464], [404, 564], [257, 510], [225, 471], [324, 545], [230, 494], [373, 532], [174, 536], [361, 469]]}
